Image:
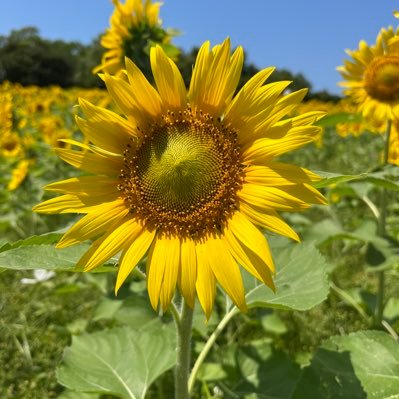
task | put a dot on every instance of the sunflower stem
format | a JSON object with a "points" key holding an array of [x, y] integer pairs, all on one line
{"points": [[381, 231], [184, 322], [208, 345]]}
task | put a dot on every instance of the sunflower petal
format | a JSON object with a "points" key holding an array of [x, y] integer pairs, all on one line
{"points": [[133, 254], [205, 284], [226, 270], [250, 237], [168, 79], [188, 270], [110, 244]]}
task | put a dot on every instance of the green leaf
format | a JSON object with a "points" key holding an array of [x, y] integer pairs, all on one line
{"points": [[67, 394], [49, 238], [329, 179], [340, 117], [121, 361], [301, 281], [45, 256], [357, 366]]}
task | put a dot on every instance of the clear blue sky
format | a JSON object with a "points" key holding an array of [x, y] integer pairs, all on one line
{"points": [[307, 36]]}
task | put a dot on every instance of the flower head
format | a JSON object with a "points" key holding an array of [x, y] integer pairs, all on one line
{"points": [[134, 27], [188, 176], [372, 76]]}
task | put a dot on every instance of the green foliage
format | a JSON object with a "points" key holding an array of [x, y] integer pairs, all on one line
{"points": [[357, 366], [301, 281], [120, 361], [27, 58]]}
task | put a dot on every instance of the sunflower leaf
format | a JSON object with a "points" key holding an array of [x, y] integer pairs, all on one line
{"points": [[329, 179], [49, 238], [121, 361], [357, 366], [301, 280], [27, 257]]}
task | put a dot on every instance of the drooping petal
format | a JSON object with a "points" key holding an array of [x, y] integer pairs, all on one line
{"points": [[188, 270], [247, 258], [205, 284], [226, 270], [162, 270], [133, 254], [250, 237], [268, 219]]}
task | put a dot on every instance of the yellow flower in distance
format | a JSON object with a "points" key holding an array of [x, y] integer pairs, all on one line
{"points": [[134, 27], [19, 174], [372, 77], [186, 176]]}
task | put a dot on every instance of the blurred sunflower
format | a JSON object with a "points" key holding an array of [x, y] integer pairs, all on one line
{"points": [[372, 77], [187, 176], [134, 27], [19, 174]]}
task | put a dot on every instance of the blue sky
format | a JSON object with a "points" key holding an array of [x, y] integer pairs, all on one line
{"points": [[307, 36]]}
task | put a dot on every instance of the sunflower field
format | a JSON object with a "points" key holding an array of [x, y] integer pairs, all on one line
{"points": [[200, 237]]}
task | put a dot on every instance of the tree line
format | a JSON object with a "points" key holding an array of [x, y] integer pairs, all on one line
{"points": [[29, 59]]}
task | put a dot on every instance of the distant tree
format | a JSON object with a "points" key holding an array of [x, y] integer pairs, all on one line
{"points": [[28, 59]]}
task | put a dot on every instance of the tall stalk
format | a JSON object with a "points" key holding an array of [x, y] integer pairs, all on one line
{"points": [[183, 321]]}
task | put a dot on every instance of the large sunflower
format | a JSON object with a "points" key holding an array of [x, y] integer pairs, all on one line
{"points": [[372, 76], [186, 177], [134, 27]]}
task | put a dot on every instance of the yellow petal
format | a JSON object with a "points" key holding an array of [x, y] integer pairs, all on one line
{"points": [[168, 79], [133, 254], [271, 198], [86, 185], [124, 97], [68, 203], [162, 269], [95, 223], [250, 237], [105, 128], [278, 174], [269, 219], [264, 149], [142, 90], [188, 270], [110, 244], [226, 270], [205, 284], [91, 162], [248, 259]]}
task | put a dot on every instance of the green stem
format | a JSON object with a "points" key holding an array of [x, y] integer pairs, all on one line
{"points": [[209, 345], [381, 231], [184, 322]]}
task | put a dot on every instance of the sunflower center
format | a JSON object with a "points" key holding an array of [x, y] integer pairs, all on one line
{"points": [[382, 79], [184, 174]]}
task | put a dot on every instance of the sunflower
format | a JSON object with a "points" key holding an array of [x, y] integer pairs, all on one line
{"points": [[19, 174], [134, 28], [187, 176], [372, 76]]}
